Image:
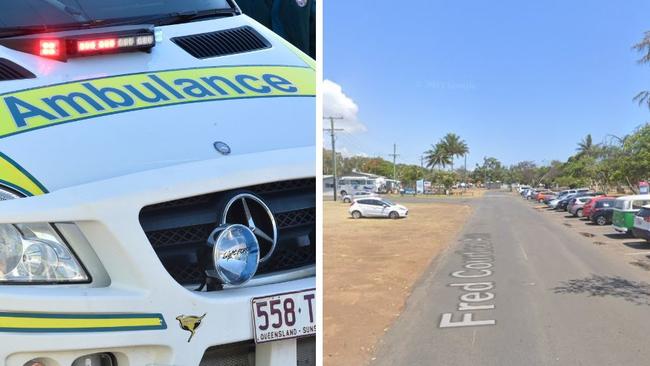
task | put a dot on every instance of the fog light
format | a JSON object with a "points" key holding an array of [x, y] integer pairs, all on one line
{"points": [[96, 359], [235, 254]]}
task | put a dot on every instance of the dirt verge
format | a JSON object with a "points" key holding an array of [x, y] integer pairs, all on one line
{"points": [[370, 266]]}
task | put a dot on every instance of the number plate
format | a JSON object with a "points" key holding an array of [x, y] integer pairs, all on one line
{"points": [[284, 316]]}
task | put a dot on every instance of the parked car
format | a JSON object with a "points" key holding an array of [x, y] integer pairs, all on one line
{"points": [[641, 228], [576, 205], [377, 207], [521, 189], [601, 211], [625, 208], [539, 197], [348, 198], [552, 201], [564, 203], [589, 206]]}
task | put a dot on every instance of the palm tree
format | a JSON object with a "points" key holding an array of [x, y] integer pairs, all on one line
{"points": [[586, 146], [437, 156], [644, 46], [454, 147]]}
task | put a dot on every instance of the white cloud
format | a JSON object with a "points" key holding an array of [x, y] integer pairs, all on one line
{"points": [[349, 153], [337, 104]]}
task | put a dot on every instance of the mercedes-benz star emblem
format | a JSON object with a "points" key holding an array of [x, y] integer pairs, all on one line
{"points": [[249, 210], [222, 147]]}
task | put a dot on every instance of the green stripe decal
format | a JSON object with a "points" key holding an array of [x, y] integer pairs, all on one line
{"points": [[47, 106], [14, 176], [65, 323]]}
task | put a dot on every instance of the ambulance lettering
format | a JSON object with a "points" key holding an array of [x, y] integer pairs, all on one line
{"points": [[50, 105]]}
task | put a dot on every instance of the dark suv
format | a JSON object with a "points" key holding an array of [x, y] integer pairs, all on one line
{"points": [[602, 212]]}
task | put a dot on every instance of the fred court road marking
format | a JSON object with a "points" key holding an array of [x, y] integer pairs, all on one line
{"points": [[473, 280]]}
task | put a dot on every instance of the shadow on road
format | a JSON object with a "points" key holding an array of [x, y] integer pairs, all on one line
{"points": [[618, 236], [602, 286], [638, 244]]}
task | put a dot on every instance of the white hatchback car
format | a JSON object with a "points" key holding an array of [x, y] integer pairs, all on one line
{"points": [[377, 207]]}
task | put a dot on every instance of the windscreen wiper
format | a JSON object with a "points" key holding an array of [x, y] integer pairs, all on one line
{"points": [[175, 18], [35, 29]]}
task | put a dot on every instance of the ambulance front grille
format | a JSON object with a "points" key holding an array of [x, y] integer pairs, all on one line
{"points": [[178, 230]]}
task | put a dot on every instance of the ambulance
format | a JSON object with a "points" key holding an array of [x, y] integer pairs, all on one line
{"points": [[157, 186]]}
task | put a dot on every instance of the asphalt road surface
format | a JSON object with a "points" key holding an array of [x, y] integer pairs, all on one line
{"points": [[539, 295]]}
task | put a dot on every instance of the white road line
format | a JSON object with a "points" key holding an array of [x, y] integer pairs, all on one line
{"points": [[523, 251], [638, 253]]}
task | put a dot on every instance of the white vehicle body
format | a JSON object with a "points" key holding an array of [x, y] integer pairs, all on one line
{"points": [[641, 227], [376, 207], [553, 203], [626, 205], [94, 174], [356, 195], [346, 185]]}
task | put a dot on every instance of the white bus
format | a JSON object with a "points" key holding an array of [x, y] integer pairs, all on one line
{"points": [[348, 185]]}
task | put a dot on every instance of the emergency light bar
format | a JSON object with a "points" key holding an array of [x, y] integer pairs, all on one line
{"points": [[87, 42]]}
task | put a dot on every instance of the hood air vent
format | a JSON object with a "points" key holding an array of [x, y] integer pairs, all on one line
{"points": [[12, 71], [222, 43]]}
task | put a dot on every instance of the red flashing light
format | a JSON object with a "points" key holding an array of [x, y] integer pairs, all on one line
{"points": [[89, 45], [50, 47]]}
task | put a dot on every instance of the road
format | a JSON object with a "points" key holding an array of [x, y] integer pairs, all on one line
{"points": [[542, 295]]}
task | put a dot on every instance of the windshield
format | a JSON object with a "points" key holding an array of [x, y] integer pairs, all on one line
{"points": [[48, 15], [388, 202]]}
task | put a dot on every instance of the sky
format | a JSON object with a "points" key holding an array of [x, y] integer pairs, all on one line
{"points": [[517, 80]]}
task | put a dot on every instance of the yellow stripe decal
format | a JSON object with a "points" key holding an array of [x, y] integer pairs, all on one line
{"points": [[15, 177], [17, 322], [46, 106]]}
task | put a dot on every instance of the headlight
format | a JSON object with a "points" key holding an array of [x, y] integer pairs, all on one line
{"points": [[35, 253], [235, 254], [6, 194]]}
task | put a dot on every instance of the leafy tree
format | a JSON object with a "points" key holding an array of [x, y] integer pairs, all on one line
{"points": [[634, 158], [524, 172], [377, 166], [327, 163], [490, 171], [445, 178]]}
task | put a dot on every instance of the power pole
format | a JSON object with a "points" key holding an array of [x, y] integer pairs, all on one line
{"points": [[332, 132], [394, 155]]}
